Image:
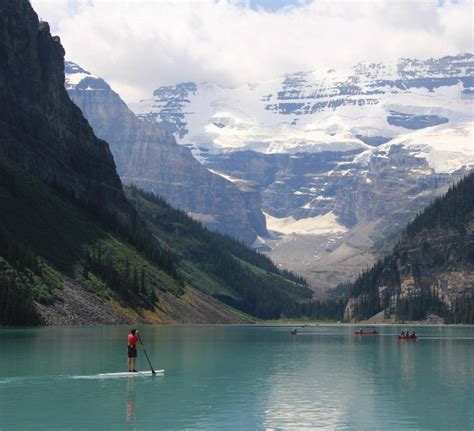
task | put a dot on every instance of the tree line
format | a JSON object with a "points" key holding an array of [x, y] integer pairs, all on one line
{"points": [[18, 265], [130, 282]]}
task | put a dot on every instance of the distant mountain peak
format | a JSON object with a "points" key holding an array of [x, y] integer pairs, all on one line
{"points": [[77, 78], [176, 91], [71, 68]]}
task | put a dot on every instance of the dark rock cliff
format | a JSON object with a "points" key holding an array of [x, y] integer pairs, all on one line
{"points": [[149, 157], [40, 129]]}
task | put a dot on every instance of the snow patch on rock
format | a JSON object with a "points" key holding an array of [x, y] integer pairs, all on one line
{"points": [[319, 225]]}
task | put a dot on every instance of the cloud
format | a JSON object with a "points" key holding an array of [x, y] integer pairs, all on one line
{"points": [[139, 45]]}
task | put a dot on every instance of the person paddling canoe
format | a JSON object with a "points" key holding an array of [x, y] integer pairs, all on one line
{"points": [[132, 350]]}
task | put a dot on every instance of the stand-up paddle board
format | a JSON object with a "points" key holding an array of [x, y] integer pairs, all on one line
{"points": [[127, 374]]}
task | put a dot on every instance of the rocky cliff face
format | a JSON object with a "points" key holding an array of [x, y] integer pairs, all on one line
{"points": [[41, 129], [148, 156]]}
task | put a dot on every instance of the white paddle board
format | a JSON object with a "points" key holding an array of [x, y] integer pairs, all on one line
{"points": [[127, 374]]}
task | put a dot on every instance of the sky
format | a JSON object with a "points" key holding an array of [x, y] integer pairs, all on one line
{"points": [[140, 45]]}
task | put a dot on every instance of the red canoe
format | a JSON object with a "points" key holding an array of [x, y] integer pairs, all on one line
{"points": [[404, 337]]}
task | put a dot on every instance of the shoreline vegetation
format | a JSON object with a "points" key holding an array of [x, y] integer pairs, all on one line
{"points": [[277, 324]]}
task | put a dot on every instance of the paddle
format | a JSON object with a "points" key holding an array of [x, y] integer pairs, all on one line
{"points": [[148, 359]]}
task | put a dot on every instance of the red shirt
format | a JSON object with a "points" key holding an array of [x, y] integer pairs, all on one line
{"points": [[132, 340]]}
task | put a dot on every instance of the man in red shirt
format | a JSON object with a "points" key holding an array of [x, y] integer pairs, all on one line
{"points": [[132, 350]]}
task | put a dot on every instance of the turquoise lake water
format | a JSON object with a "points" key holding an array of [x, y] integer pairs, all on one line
{"points": [[238, 378]]}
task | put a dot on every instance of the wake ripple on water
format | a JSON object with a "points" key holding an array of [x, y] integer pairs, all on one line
{"points": [[31, 380]]}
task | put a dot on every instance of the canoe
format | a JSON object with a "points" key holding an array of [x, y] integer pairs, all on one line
{"points": [[404, 337]]}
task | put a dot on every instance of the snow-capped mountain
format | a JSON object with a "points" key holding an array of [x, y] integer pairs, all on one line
{"points": [[331, 110], [341, 159]]}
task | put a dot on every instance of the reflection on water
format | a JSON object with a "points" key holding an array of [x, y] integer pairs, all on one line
{"points": [[316, 389], [375, 383], [239, 378], [130, 400]]}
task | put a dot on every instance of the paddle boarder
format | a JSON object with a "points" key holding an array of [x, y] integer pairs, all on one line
{"points": [[132, 350]]}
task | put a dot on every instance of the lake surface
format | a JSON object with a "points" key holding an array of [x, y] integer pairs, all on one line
{"points": [[238, 378]]}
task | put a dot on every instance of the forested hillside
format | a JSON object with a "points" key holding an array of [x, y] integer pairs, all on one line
{"points": [[221, 266], [431, 269]]}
